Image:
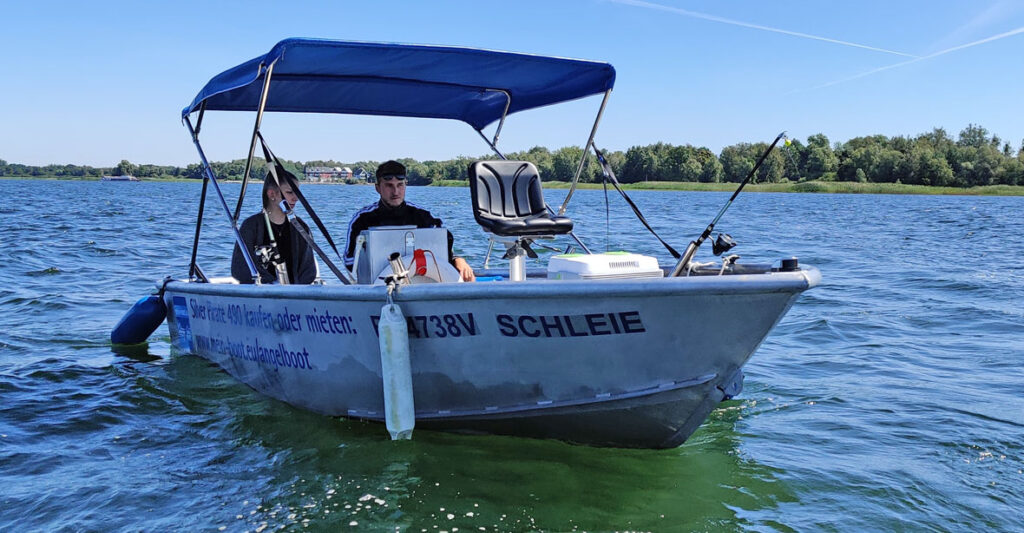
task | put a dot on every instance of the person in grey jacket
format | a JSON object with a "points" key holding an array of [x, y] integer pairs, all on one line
{"points": [[292, 250]]}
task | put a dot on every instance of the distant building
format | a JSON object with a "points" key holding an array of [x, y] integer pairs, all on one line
{"points": [[328, 174], [361, 175]]}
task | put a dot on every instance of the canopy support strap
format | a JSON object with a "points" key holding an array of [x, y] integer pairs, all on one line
{"points": [[342, 274], [586, 152], [489, 143], [209, 177], [609, 176], [252, 142], [275, 168]]}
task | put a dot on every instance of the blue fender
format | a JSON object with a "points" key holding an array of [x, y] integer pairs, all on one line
{"points": [[140, 321]]}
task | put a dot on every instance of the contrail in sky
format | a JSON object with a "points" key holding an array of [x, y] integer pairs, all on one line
{"points": [[713, 18], [922, 58]]}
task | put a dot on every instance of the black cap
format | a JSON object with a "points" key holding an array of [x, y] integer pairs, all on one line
{"points": [[391, 169]]}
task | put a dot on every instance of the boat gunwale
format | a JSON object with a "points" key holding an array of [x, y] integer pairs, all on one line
{"points": [[796, 281]]}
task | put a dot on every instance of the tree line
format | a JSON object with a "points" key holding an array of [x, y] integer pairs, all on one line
{"points": [[974, 158]]}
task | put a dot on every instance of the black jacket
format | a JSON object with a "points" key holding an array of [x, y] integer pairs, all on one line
{"points": [[302, 269], [381, 214]]}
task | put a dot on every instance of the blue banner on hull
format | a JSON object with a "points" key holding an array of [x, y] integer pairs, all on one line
{"points": [[184, 327]]}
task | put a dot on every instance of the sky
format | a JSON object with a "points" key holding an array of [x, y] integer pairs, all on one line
{"points": [[92, 83]]}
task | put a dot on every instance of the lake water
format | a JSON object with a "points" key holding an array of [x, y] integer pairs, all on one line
{"points": [[891, 397]]}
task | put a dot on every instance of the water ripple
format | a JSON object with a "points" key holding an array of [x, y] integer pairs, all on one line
{"points": [[889, 398]]}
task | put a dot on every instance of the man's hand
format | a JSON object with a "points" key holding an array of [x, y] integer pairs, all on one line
{"points": [[464, 269]]}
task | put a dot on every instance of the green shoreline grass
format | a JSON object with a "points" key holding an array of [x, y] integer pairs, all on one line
{"points": [[836, 187]]}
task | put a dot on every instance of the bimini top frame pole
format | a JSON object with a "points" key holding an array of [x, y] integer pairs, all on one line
{"points": [[252, 142], [493, 143], [586, 152], [208, 171], [508, 102]]}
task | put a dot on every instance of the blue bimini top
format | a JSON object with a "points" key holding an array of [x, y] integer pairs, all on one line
{"points": [[467, 84]]}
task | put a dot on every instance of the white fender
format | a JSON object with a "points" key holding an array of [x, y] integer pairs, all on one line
{"points": [[396, 372]]}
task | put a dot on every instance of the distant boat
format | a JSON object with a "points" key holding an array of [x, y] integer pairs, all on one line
{"points": [[119, 178]]}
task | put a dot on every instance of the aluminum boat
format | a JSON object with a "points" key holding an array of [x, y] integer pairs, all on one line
{"points": [[599, 349]]}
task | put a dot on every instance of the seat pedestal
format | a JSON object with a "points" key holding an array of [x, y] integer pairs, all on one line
{"points": [[516, 262], [516, 251]]}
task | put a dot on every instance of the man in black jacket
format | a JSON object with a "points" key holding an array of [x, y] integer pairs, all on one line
{"points": [[393, 210], [292, 250]]}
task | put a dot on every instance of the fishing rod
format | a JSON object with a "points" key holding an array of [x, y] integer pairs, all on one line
{"points": [[273, 255], [684, 263]]}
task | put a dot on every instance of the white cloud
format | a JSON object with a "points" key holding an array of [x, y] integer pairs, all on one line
{"points": [[722, 20], [996, 37]]}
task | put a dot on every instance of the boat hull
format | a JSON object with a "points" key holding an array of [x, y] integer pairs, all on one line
{"points": [[630, 363]]}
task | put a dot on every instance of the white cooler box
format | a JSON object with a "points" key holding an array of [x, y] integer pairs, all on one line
{"points": [[609, 265]]}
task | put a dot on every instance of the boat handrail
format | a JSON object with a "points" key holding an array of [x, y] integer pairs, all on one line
{"points": [[210, 177]]}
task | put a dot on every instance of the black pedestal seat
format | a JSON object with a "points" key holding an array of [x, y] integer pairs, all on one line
{"points": [[508, 200]]}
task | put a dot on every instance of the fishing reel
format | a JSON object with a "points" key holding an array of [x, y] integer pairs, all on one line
{"points": [[271, 260], [723, 243], [269, 257]]}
